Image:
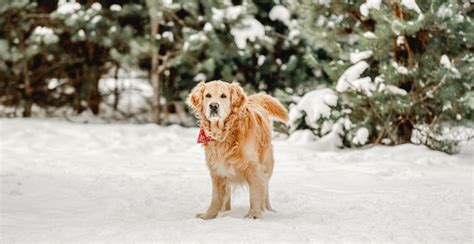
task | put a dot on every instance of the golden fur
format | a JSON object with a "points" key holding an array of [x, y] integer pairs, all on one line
{"points": [[241, 149]]}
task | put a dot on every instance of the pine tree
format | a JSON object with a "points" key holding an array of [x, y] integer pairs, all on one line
{"points": [[56, 52], [23, 44], [237, 41], [95, 35], [257, 43], [397, 67]]}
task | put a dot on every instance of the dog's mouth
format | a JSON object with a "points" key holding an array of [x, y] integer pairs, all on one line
{"points": [[214, 113]]}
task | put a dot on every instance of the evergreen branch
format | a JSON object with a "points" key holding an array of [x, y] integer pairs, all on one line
{"points": [[433, 90], [381, 133]]}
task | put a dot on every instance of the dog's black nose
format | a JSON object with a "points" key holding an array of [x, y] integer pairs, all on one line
{"points": [[214, 106]]}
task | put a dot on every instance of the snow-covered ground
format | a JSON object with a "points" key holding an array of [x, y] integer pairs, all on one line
{"points": [[63, 182]]}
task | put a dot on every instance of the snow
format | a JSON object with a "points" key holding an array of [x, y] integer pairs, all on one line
{"points": [[96, 19], [324, 2], [64, 182], [53, 83], [134, 99], [400, 40], [307, 139], [250, 29], [364, 10], [411, 4], [321, 20], [444, 60], [278, 61], [43, 31], [459, 18], [186, 46], [198, 37], [351, 74], [315, 104], [333, 139], [379, 79], [373, 4], [280, 13], [461, 134], [361, 136], [369, 4], [370, 35], [208, 27], [358, 56], [352, 38], [261, 60], [200, 77], [96, 6], [45, 35], [81, 34], [330, 99], [364, 84], [293, 35], [167, 3], [400, 68], [444, 11], [67, 7], [227, 14], [395, 90], [447, 106], [301, 137], [115, 7], [390, 89], [169, 35]]}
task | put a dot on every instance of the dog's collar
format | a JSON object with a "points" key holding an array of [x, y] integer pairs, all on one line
{"points": [[203, 138]]}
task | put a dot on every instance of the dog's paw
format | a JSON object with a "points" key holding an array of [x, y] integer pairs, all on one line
{"points": [[271, 209], [253, 215], [206, 216]]}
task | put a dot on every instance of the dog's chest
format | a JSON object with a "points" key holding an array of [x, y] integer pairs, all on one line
{"points": [[223, 169], [218, 162]]}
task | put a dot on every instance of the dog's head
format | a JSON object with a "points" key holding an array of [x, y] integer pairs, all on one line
{"points": [[216, 100]]}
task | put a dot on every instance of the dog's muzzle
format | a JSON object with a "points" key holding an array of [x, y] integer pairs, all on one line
{"points": [[214, 109]]}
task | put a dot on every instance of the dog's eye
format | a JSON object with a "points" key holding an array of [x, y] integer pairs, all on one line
{"points": [[223, 96], [208, 95]]}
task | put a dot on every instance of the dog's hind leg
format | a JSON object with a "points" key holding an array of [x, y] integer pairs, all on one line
{"points": [[268, 174], [256, 180], [268, 206]]}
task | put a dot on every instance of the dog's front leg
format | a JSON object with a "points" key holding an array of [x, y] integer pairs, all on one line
{"points": [[256, 183], [218, 193], [227, 198]]}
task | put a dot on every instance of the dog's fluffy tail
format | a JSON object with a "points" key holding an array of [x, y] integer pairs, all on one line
{"points": [[273, 106]]}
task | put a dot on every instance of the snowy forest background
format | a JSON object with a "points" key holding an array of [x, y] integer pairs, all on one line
{"points": [[354, 72], [97, 145]]}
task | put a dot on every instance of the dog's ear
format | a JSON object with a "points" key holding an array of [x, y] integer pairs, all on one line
{"points": [[194, 99], [237, 96]]}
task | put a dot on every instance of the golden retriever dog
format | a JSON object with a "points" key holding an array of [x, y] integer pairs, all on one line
{"points": [[236, 135]]}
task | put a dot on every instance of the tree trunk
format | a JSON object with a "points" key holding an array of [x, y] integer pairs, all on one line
{"points": [[28, 91], [405, 130], [116, 89], [26, 80], [154, 72], [27, 108], [95, 99], [91, 77]]}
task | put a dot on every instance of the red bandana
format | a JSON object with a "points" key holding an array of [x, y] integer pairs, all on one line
{"points": [[203, 138]]}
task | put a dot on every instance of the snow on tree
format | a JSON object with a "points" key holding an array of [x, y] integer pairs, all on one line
{"points": [[415, 60], [67, 44]]}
